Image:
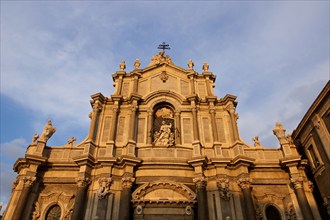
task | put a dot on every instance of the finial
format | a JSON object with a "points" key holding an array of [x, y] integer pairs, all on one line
{"points": [[164, 47], [205, 67], [122, 66], [137, 63], [191, 64]]}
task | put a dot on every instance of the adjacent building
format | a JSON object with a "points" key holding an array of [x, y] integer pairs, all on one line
{"points": [[162, 146], [312, 138]]}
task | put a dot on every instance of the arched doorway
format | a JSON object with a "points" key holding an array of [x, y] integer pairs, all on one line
{"points": [[272, 213], [162, 201]]}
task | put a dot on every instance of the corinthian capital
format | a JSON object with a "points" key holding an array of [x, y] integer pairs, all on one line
{"points": [[244, 182], [298, 182], [83, 182], [28, 181], [200, 181], [127, 182]]}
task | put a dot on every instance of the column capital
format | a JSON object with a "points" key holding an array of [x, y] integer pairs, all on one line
{"points": [[127, 182], [83, 182], [200, 182], [244, 182], [28, 181], [298, 182], [104, 184], [223, 186]]}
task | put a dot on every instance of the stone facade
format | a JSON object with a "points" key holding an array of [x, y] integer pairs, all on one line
{"points": [[312, 138], [163, 146]]}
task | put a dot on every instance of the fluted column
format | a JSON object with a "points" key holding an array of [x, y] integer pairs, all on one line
{"points": [[302, 199], [200, 183], [177, 128], [27, 182], [78, 209], [245, 185], [125, 198], [149, 129]]}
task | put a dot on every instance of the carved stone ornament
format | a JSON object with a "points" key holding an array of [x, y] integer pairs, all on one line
{"points": [[104, 189], [244, 182], [139, 210], [279, 132], [205, 67], [256, 141], [165, 136], [163, 76], [200, 182], [298, 182], [259, 215], [122, 66], [48, 131], [188, 210], [71, 140], [137, 64], [127, 182], [223, 185], [28, 181], [83, 182], [160, 58], [142, 191], [191, 64], [34, 139], [36, 212], [290, 213]]}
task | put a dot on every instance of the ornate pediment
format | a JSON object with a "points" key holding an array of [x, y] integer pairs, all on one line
{"points": [[163, 192]]}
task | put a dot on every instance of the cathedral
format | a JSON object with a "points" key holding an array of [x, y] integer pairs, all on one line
{"points": [[162, 146]]}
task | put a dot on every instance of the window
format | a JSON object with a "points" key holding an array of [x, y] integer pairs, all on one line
{"points": [[272, 213], [54, 213], [315, 162]]}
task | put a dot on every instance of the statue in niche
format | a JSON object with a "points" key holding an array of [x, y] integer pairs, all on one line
{"points": [[48, 131], [163, 127]]}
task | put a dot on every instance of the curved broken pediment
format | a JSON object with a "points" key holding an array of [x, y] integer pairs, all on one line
{"points": [[163, 192]]}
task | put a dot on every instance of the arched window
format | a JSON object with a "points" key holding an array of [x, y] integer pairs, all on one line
{"points": [[272, 213], [163, 126], [54, 213]]}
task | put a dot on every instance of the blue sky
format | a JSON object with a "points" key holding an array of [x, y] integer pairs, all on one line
{"points": [[273, 55]]}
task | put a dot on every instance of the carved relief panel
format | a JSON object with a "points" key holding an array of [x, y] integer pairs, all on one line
{"points": [[163, 127]]}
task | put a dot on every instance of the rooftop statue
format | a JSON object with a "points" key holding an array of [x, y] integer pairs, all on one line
{"points": [[160, 58], [191, 64], [48, 131], [122, 66]]}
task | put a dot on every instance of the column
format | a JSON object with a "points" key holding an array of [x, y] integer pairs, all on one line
{"points": [[195, 121], [192, 84], [95, 115], [233, 117], [120, 82], [133, 121], [27, 182], [115, 110], [125, 198], [102, 194], [244, 183], [135, 84], [177, 127], [78, 208], [200, 183], [214, 125], [302, 199], [149, 129]]}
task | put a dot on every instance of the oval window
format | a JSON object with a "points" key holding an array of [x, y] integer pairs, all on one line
{"points": [[54, 213]]}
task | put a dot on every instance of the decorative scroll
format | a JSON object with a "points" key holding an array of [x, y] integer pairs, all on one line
{"points": [[223, 185]]}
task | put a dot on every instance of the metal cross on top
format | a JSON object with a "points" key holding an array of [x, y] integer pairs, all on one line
{"points": [[164, 47]]}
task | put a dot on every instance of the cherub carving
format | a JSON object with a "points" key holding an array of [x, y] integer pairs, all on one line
{"points": [[48, 131]]}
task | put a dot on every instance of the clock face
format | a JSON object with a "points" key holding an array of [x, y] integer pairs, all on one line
{"points": [[54, 213]]}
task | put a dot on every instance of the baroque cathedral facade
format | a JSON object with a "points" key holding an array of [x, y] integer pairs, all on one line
{"points": [[162, 146]]}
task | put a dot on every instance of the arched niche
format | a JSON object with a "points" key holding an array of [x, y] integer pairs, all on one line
{"points": [[272, 212], [163, 125]]}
